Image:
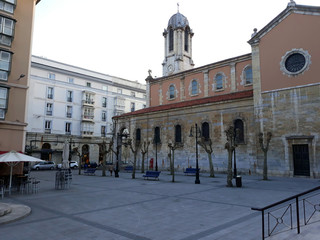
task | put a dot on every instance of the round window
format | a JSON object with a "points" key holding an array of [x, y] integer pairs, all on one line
{"points": [[295, 62]]}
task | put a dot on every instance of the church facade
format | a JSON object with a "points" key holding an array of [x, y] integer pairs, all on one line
{"points": [[275, 89]]}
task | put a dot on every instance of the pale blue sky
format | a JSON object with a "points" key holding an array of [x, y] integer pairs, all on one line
{"points": [[124, 38]]}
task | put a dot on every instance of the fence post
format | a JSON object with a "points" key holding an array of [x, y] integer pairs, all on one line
{"points": [[262, 212], [298, 218]]}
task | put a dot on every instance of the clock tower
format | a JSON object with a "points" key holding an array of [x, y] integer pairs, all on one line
{"points": [[177, 45]]}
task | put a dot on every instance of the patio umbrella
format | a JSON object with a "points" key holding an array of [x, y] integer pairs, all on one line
{"points": [[12, 158], [65, 155]]}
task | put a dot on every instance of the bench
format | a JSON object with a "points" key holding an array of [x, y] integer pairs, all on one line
{"points": [[128, 168], [152, 174], [90, 171], [191, 171]]}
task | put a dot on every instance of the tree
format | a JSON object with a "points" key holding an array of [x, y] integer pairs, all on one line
{"points": [[134, 151], [230, 146], [207, 146], [104, 151], [265, 153], [172, 149], [76, 150], [144, 150]]}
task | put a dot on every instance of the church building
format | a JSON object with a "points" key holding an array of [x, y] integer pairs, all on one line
{"points": [[273, 89]]}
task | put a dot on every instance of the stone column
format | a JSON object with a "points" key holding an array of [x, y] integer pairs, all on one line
{"points": [[206, 83], [233, 77]]}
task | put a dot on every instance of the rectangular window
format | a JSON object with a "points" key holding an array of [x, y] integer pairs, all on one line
{"points": [[49, 108], [69, 111], [3, 102], [133, 94], [104, 116], [69, 96], [68, 128], [133, 106], [119, 91], [104, 102], [50, 92], [52, 76], [103, 131], [70, 80], [7, 6], [88, 113], [88, 84], [47, 126], [5, 65]]}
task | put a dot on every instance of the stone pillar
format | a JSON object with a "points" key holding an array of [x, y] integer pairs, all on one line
{"points": [[160, 94], [182, 89]]}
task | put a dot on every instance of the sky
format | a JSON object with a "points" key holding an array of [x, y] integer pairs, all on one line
{"points": [[123, 38]]}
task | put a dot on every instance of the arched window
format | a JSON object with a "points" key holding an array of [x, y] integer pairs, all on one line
{"points": [[171, 92], [186, 40], [239, 131], [248, 75], [178, 134], [157, 139], [170, 39], [138, 135], [194, 87], [205, 131], [219, 81]]}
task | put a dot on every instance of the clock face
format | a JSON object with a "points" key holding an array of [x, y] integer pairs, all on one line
{"points": [[295, 62], [170, 68]]}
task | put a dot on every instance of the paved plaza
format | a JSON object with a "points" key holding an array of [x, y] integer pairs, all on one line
{"points": [[122, 208]]}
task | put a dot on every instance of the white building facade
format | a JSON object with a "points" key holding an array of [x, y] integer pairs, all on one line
{"points": [[75, 104]]}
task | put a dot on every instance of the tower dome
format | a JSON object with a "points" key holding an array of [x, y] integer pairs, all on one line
{"points": [[178, 21]]}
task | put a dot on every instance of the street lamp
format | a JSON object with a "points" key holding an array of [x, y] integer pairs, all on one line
{"points": [[236, 141], [198, 131], [120, 136]]}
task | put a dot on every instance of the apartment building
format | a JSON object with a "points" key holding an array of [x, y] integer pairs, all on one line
{"points": [[75, 104], [16, 25]]}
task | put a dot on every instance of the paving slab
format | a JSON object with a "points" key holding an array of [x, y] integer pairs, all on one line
{"points": [[97, 207]]}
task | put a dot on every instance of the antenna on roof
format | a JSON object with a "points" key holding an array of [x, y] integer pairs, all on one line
{"points": [[178, 6]]}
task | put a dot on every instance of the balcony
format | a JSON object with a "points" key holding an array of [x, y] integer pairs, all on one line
{"points": [[88, 118], [88, 102], [47, 130], [86, 133], [49, 113]]}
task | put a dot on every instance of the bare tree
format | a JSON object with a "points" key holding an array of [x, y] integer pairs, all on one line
{"points": [[172, 148], [144, 150], [105, 150], [207, 146], [230, 146], [134, 151], [265, 153], [76, 150]]}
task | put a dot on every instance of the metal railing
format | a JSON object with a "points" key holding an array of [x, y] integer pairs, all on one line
{"points": [[280, 215]]}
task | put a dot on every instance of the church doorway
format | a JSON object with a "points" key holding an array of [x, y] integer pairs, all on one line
{"points": [[301, 164]]}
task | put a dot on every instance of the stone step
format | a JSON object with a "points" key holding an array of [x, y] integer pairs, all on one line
{"points": [[4, 209], [13, 212]]}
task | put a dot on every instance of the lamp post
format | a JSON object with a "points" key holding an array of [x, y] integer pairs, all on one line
{"points": [[125, 134], [197, 181], [236, 140]]}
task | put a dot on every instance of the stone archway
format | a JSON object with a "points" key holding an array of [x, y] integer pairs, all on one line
{"points": [[46, 152]]}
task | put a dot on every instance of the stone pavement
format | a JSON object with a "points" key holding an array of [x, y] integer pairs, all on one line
{"points": [[121, 208]]}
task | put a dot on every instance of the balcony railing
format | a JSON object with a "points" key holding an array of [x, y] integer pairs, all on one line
{"points": [[49, 113], [69, 115], [47, 130], [86, 133], [88, 102], [87, 117]]}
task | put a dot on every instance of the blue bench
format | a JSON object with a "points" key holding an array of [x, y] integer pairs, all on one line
{"points": [[191, 171], [128, 168], [90, 171], [152, 174]]}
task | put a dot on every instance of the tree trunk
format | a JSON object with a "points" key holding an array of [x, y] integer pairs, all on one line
{"points": [[229, 177], [172, 167], [265, 166], [211, 165], [142, 164], [134, 165], [104, 164]]}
